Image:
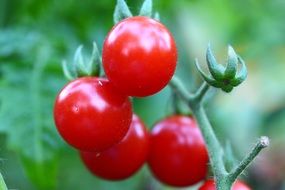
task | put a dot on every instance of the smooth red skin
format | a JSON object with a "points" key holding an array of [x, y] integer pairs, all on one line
{"points": [[178, 155], [139, 56], [91, 115], [122, 160], [210, 185]]}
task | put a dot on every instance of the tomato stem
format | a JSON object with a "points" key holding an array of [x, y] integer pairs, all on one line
{"points": [[215, 150], [178, 87], [263, 142], [2, 183], [224, 180], [198, 96], [194, 101]]}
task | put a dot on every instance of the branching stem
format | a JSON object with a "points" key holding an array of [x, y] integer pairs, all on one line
{"points": [[263, 142], [198, 96], [223, 179]]}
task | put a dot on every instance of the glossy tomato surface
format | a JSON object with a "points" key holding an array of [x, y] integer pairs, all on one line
{"points": [[210, 185], [122, 160], [139, 56], [91, 115], [178, 155]]}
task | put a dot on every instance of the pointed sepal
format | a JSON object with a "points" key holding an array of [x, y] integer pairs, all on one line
{"points": [[156, 16], [81, 67], [224, 78], [231, 67], [94, 62], [146, 9], [207, 78], [67, 71], [122, 11], [216, 70]]}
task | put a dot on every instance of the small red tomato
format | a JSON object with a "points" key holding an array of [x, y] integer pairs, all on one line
{"points": [[91, 115], [139, 56], [122, 160], [178, 155], [210, 185]]}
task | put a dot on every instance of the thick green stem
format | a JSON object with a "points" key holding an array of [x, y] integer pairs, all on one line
{"points": [[215, 150], [2, 183]]}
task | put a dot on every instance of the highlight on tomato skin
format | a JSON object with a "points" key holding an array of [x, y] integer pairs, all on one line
{"points": [[91, 115], [123, 159], [178, 155], [139, 56], [210, 185]]}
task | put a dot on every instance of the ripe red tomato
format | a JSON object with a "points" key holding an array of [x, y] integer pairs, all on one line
{"points": [[91, 115], [210, 185], [139, 56], [122, 160], [178, 155]]}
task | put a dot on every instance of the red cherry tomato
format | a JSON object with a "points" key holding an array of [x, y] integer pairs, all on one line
{"points": [[139, 56], [178, 155], [210, 185], [122, 160], [91, 115]]}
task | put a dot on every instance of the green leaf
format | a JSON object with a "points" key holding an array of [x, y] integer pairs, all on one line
{"points": [[122, 11], [42, 173], [27, 98], [146, 9]]}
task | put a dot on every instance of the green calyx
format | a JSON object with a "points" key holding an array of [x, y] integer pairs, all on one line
{"points": [[122, 11], [81, 67], [224, 77]]}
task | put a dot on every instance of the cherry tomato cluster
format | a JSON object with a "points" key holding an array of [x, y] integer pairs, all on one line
{"points": [[95, 116]]}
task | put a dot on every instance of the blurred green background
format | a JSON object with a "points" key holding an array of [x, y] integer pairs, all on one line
{"points": [[35, 36]]}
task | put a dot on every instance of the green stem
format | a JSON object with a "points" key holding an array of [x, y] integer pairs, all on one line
{"points": [[175, 103], [198, 96], [180, 89], [194, 101], [215, 150], [263, 142], [224, 180], [2, 183]]}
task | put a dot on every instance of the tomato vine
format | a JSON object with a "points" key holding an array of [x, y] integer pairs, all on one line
{"points": [[139, 58]]}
